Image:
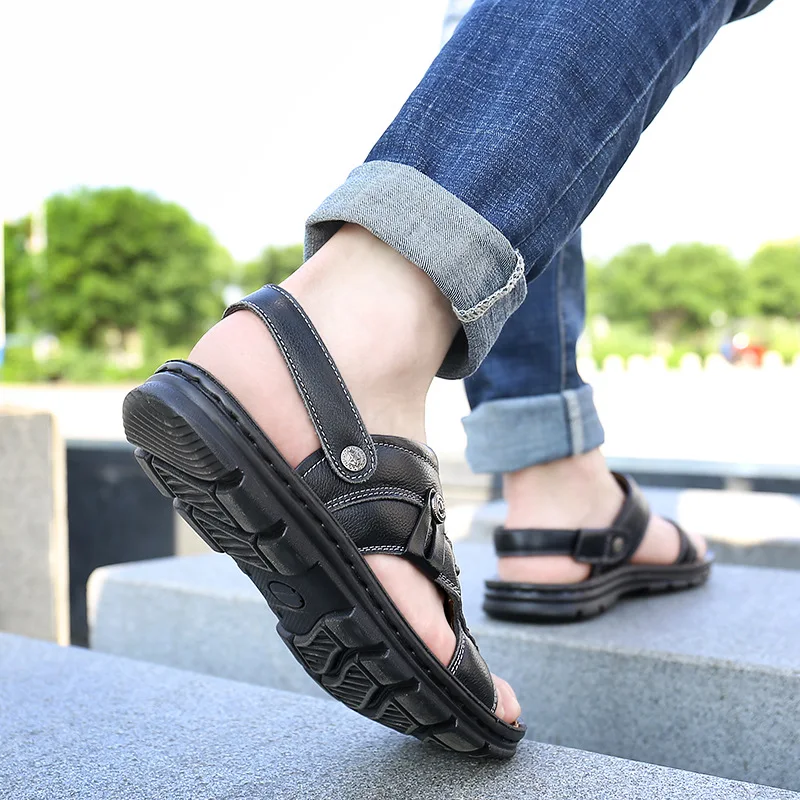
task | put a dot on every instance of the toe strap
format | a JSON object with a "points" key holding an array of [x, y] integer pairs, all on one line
{"points": [[469, 668], [687, 553]]}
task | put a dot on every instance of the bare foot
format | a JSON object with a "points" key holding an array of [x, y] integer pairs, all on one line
{"points": [[388, 329], [576, 492]]}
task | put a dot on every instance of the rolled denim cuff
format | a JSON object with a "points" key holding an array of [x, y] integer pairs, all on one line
{"points": [[509, 434], [470, 261]]}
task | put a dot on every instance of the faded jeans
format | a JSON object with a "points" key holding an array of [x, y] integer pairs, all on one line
{"points": [[487, 172]]}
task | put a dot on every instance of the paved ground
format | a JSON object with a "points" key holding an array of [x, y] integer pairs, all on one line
{"points": [[731, 415]]}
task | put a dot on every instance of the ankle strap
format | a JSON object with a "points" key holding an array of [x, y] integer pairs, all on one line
{"points": [[601, 547], [348, 447]]}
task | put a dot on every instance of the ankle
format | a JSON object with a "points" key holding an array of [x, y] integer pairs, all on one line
{"points": [[386, 325], [384, 322], [570, 492]]}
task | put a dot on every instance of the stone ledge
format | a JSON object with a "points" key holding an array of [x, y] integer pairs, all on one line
{"points": [[81, 724], [706, 680]]}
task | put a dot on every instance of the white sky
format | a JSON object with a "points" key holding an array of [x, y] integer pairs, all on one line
{"points": [[249, 113]]}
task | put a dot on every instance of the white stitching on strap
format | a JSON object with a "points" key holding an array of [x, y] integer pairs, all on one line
{"points": [[449, 584], [395, 548], [366, 436], [312, 468], [292, 366], [406, 450], [378, 492], [478, 310], [456, 663]]}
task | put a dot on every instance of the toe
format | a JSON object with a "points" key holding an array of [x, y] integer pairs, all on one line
{"points": [[508, 708]]}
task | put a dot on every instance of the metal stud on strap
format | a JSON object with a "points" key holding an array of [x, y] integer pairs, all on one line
{"points": [[353, 458]]}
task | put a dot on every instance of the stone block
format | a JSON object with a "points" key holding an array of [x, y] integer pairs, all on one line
{"points": [[79, 724], [34, 594], [198, 613], [706, 680]]}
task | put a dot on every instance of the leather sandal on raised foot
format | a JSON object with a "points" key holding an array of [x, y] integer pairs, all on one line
{"points": [[608, 550], [300, 534]]}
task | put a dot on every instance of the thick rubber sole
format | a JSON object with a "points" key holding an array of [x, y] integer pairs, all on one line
{"points": [[527, 602], [226, 479]]}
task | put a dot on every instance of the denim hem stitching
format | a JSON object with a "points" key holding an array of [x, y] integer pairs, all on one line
{"points": [[479, 309], [574, 421]]}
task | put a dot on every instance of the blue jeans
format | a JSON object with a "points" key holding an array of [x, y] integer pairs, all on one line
{"points": [[512, 137], [529, 404]]}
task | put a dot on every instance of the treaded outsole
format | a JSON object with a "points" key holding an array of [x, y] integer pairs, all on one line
{"points": [[520, 602], [200, 448]]}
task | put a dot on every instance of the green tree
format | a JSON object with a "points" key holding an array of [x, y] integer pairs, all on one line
{"points": [[774, 278], [674, 292], [18, 273], [118, 259], [695, 280], [594, 288], [272, 266], [625, 285]]}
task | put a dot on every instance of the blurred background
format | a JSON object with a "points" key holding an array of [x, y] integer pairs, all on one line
{"points": [[160, 160]]}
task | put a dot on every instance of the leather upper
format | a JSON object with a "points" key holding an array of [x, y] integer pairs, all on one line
{"points": [[399, 511], [393, 504]]}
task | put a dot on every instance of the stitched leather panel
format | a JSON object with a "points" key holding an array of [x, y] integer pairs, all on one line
{"points": [[390, 512], [379, 526], [332, 411], [402, 464], [393, 513], [469, 668], [629, 525]]}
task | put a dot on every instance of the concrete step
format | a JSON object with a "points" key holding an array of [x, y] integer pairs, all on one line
{"points": [[34, 547], [750, 528], [80, 724], [706, 680]]}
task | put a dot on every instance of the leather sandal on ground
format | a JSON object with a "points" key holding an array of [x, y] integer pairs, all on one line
{"points": [[300, 534], [608, 550]]}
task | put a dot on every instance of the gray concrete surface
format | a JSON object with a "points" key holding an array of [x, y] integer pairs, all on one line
{"points": [[753, 529], [34, 579], [198, 613], [76, 724], [706, 680]]}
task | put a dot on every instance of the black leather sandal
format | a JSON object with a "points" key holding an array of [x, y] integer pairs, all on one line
{"points": [[300, 534], [608, 550]]}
